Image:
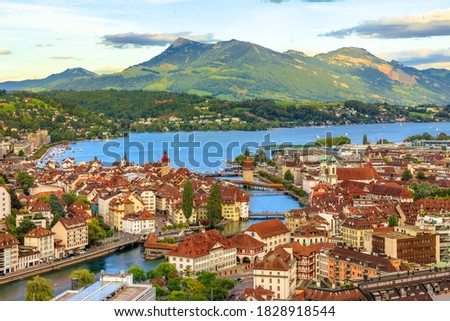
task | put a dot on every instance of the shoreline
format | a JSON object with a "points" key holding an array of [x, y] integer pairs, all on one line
{"points": [[48, 267]]}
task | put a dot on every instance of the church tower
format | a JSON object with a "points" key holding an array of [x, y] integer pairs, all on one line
{"points": [[165, 164]]}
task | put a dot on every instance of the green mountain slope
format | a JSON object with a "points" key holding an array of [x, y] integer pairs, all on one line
{"points": [[238, 70]]}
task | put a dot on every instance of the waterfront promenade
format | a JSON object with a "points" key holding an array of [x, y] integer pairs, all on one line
{"points": [[123, 241]]}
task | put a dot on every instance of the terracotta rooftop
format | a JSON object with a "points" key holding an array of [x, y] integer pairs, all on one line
{"points": [[199, 244], [39, 232], [7, 240], [357, 173], [278, 260], [245, 241], [268, 228], [71, 223]]}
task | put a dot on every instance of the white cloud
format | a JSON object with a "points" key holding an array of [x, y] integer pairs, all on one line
{"points": [[433, 23]]}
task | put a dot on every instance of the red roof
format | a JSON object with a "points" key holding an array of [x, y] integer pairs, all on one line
{"points": [[268, 228], [165, 158], [199, 244], [278, 260], [39, 232], [245, 241], [357, 173], [248, 164], [7, 240]]}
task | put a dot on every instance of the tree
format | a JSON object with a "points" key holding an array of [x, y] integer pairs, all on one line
{"points": [[166, 270], [84, 277], [407, 175], [15, 202], [206, 278], [214, 206], [393, 220], [2, 180], [421, 175], [95, 231], [188, 271], [365, 140], [39, 289], [194, 288], [218, 289], [24, 227], [288, 175], [138, 273], [160, 292], [25, 180], [21, 153], [174, 284], [188, 200], [247, 152], [69, 198], [56, 205], [177, 296], [56, 218]]}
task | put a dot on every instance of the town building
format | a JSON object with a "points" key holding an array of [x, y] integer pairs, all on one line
{"points": [[342, 264], [354, 229], [271, 232], [248, 249], [110, 287], [141, 223], [9, 253], [43, 241], [73, 232], [277, 273], [206, 251], [5, 202], [409, 243]]}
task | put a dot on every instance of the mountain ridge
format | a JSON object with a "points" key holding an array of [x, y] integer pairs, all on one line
{"points": [[239, 70]]}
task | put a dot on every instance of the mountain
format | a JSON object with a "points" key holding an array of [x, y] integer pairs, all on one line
{"points": [[50, 81], [238, 70]]}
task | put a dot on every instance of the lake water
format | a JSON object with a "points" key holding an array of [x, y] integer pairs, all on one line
{"points": [[208, 150]]}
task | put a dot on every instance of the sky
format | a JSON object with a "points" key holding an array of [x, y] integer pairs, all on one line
{"points": [[43, 37]]}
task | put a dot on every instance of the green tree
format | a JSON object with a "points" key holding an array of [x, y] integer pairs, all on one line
{"points": [[174, 284], [69, 198], [56, 218], [2, 181], [138, 273], [188, 271], [177, 296], [84, 277], [407, 175], [288, 175], [95, 231], [160, 292], [365, 140], [393, 220], [421, 175], [247, 152], [193, 287], [166, 270], [25, 180], [21, 153], [24, 227], [214, 206], [206, 278], [333, 141], [188, 200], [39, 289], [15, 202], [56, 205], [218, 289]]}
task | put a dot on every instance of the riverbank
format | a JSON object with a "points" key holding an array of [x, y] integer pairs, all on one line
{"points": [[89, 255]]}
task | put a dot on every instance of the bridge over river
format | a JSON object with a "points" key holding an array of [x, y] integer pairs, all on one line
{"points": [[265, 215]]}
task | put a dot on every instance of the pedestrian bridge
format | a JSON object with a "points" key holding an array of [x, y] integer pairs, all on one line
{"points": [[257, 185], [265, 215]]}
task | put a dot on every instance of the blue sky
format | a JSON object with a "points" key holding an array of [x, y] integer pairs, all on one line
{"points": [[42, 37]]}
